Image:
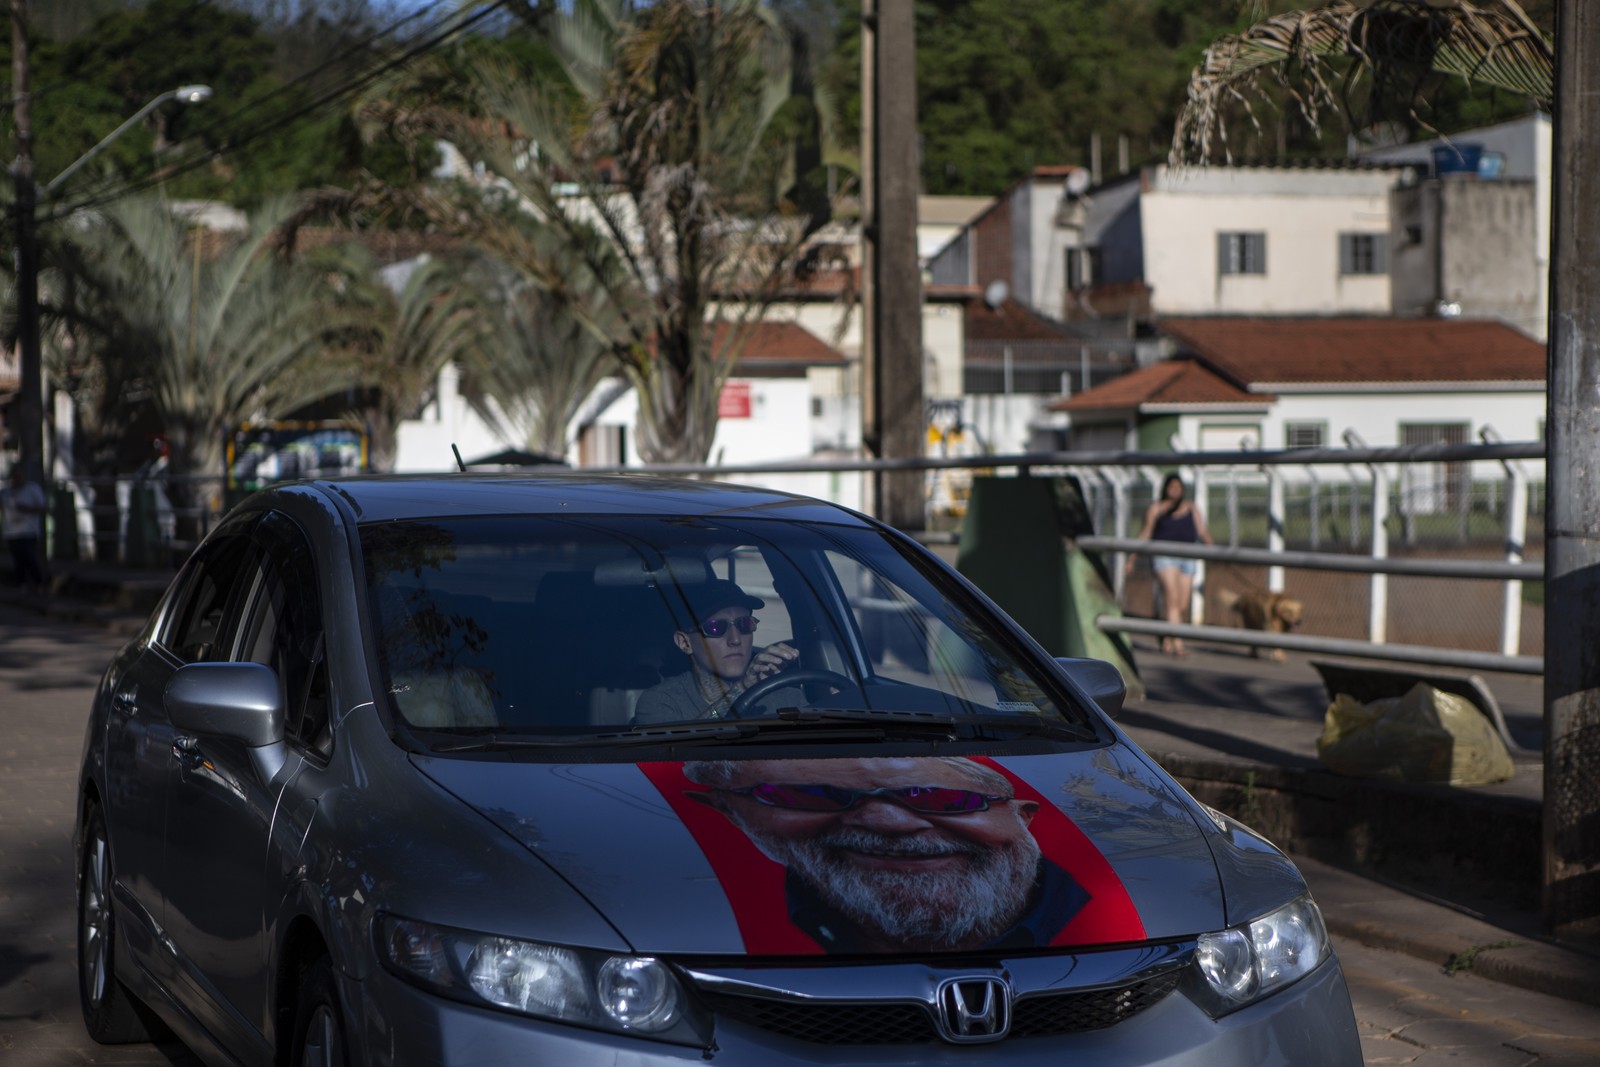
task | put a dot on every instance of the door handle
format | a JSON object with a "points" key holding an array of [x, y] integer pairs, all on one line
{"points": [[126, 701]]}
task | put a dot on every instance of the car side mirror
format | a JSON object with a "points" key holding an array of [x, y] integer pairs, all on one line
{"points": [[1099, 679], [238, 701]]}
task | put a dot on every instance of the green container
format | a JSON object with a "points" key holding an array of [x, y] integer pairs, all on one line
{"points": [[144, 548], [63, 524], [1019, 545]]}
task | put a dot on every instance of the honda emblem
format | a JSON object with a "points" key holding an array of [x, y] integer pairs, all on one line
{"points": [[972, 1010]]}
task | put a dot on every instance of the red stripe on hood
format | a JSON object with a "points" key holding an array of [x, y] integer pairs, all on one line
{"points": [[1109, 916]]}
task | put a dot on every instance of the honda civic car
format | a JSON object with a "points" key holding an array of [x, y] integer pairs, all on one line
{"points": [[574, 770]]}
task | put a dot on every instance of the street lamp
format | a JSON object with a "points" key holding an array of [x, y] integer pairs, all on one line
{"points": [[188, 94], [30, 419]]}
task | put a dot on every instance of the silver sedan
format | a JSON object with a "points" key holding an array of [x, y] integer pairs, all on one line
{"points": [[574, 771]]}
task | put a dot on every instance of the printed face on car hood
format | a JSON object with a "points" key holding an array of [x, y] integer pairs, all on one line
{"points": [[862, 855]]}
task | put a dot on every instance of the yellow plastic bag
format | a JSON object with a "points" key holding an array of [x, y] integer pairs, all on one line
{"points": [[1424, 736]]}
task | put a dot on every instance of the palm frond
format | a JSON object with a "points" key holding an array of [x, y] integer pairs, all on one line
{"points": [[1393, 43]]}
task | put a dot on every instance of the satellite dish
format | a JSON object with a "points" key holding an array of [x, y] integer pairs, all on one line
{"points": [[1078, 182], [996, 293]]}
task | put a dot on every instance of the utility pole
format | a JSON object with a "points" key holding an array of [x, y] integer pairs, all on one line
{"points": [[29, 405], [892, 412], [1572, 496]]}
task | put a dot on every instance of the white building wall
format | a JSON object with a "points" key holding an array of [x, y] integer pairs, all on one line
{"points": [[1047, 248], [1377, 418], [424, 444], [943, 343], [1526, 146], [1302, 215]]}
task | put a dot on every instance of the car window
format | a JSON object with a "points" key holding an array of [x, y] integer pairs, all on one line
{"points": [[577, 623], [200, 626], [283, 629], [906, 640]]}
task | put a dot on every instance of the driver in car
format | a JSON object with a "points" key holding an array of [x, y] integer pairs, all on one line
{"points": [[724, 659]]}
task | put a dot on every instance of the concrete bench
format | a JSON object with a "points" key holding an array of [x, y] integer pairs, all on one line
{"points": [[1368, 683]]}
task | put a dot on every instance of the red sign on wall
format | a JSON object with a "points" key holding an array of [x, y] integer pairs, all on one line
{"points": [[734, 403]]}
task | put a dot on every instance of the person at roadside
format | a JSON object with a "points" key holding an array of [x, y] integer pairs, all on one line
{"points": [[724, 659], [1173, 517], [22, 508]]}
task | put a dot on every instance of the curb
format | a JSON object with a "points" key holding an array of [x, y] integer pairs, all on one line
{"points": [[1372, 914], [1371, 910]]}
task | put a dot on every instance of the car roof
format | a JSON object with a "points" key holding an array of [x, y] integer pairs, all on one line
{"points": [[386, 498]]}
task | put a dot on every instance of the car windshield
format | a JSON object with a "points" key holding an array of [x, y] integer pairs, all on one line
{"points": [[568, 626]]}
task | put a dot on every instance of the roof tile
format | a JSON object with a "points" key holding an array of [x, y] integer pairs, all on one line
{"points": [[1283, 351], [1175, 381]]}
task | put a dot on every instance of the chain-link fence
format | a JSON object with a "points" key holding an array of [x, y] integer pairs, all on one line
{"points": [[1461, 518]]}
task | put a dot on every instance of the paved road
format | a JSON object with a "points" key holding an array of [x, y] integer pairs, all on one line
{"points": [[1409, 1011]]}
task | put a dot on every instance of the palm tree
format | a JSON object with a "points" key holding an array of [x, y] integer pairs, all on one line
{"points": [[1318, 57], [660, 169], [393, 342], [210, 342], [546, 357]]}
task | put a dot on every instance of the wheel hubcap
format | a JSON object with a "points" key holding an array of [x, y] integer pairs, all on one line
{"points": [[322, 1038], [96, 933]]}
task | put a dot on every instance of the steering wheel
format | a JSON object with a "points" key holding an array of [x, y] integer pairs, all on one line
{"points": [[750, 697]]}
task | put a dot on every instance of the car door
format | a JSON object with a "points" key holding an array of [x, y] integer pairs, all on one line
{"points": [[200, 614], [222, 878]]}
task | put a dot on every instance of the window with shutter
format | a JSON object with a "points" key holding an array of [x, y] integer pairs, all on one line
{"points": [[1363, 253], [1241, 253]]}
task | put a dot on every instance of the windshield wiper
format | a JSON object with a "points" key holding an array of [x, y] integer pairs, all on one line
{"points": [[792, 723], [718, 730], [1032, 724]]}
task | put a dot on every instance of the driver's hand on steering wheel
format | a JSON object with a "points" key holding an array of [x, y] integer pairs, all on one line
{"points": [[770, 661]]}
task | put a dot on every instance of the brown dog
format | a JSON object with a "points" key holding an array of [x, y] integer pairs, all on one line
{"points": [[1276, 613]]}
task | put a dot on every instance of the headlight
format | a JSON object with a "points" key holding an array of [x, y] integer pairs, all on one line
{"points": [[634, 995], [1240, 965]]}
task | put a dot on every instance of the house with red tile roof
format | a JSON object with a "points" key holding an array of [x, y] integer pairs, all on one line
{"points": [[1272, 383]]}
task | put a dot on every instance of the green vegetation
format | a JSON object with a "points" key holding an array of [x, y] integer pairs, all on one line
{"points": [[1463, 961], [672, 122]]}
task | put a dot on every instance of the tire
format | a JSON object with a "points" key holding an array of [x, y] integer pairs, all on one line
{"points": [[319, 1039], [111, 1014]]}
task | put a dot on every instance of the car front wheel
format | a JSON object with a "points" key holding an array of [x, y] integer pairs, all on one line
{"points": [[110, 1013], [318, 1023]]}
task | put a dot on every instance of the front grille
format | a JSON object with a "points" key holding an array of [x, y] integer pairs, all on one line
{"points": [[885, 1023], [1069, 1013], [900, 1023]]}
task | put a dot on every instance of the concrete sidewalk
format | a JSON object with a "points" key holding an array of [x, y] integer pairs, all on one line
{"points": [[1442, 873], [1447, 875]]}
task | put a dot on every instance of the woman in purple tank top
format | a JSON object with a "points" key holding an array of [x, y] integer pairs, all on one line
{"points": [[1173, 518]]}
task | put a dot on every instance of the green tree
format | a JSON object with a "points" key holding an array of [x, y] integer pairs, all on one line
{"points": [[210, 340], [276, 124], [391, 344], [659, 166], [1005, 87], [547, 354]]}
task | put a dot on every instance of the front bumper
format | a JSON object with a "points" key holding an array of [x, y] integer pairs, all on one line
{"points": [[1310, 1023]]}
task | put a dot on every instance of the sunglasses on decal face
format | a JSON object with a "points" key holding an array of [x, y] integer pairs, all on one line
{"points": [[745, 624], [925, 799]]}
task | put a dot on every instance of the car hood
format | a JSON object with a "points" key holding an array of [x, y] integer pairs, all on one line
{"points": [[1094, 847]]}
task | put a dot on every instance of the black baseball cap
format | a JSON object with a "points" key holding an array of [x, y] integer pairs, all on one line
{"points": [[707, 598]]}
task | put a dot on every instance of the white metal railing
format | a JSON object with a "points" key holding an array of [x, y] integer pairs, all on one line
{"points": [[1111, 481]]}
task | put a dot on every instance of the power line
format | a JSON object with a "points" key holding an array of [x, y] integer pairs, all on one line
{"points": [[111, 187], [437, 32]]}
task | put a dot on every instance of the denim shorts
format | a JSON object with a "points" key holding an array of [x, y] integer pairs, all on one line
{"points": [[1178, 563]]}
